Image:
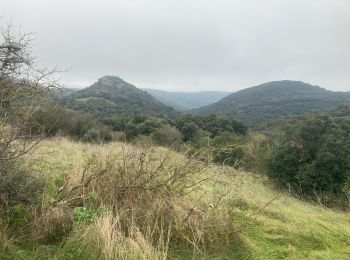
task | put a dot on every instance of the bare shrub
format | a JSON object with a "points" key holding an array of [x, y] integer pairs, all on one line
{"points": [[133, 176], [23, 89], [150, 191]]}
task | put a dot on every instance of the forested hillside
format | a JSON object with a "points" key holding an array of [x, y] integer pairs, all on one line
{"points": [[275, 99], [112, 96]]}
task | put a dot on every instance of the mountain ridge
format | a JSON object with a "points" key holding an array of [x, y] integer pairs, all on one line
{"points": [[111, 95], [275, 99]]}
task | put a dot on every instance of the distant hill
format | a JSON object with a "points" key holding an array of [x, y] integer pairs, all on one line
{"points": [[274, 100], [111, 96], [182, 101]]}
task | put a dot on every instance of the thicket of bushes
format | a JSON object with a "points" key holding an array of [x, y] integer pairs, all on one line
{"points": [[223, 135], [134, 126], [55, 120], [21, 191], [313, 159], [192, 128]]}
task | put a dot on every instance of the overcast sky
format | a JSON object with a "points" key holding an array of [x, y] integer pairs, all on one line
{"points": [[190, 45]]}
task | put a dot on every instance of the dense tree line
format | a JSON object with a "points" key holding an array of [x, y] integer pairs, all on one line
{"points": [[191, 126], [312, 159]]}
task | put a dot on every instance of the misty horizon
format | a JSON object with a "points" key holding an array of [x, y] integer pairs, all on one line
{"points": [[199, 91]]}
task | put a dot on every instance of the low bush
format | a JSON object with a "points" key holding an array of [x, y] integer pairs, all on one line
{"points": [[20, 190], [167, 136]]}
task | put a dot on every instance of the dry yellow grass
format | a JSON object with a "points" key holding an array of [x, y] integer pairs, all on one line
{"points": [[107, 235]]}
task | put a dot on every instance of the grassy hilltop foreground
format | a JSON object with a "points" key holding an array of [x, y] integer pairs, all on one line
{"points": [[127, 202]]}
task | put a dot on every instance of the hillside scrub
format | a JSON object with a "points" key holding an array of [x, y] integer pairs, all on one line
{"points": [[152, 201], [228, 144], [232, 214], [312, 159]]}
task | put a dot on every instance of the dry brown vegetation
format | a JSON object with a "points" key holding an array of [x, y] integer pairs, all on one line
{"points": [[148, 201]]}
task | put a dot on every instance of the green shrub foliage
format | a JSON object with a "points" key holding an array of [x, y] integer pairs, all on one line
{"points": [[167, 136], [313, 158], [54, 120], [190, 126]]}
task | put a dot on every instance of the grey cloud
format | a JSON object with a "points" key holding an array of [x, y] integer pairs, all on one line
{"points": [[191, 45]]}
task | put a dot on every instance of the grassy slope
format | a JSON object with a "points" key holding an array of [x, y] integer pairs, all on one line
{"points": [[271, 225]]}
